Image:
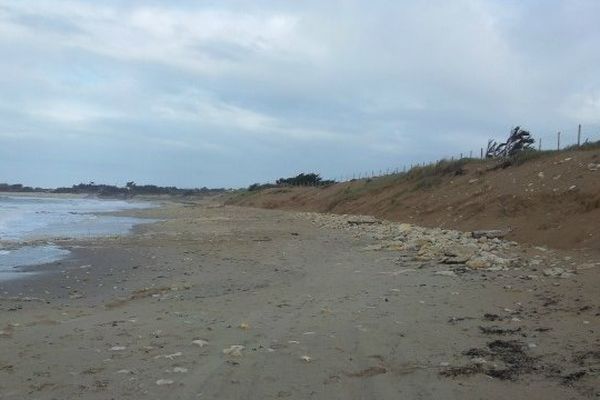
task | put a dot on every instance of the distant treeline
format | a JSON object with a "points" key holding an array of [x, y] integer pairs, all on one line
{"points": [[310, 179], [130, 189], [5, 187]]}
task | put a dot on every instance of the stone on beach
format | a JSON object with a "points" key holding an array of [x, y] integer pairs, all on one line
{"points": [[446, 273], [234, 350], [557, 272], [481, 249], [200, 342]]}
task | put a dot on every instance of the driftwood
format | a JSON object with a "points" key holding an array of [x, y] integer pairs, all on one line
{"points": [[518, 140]]}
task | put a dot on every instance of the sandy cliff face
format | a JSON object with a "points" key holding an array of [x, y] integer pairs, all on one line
{"points": [[552, 200]]}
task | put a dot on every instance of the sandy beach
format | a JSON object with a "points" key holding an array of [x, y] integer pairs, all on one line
{"points": [[223, 302]]}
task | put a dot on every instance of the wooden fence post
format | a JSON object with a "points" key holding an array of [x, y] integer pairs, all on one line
{"points": [[579, 135], [558, 141]]}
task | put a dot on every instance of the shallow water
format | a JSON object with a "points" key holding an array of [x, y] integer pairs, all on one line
{"points": [[27, 256], [25, 218]]}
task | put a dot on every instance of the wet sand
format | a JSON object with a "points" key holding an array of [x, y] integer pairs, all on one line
{"points": [[158, 314]]}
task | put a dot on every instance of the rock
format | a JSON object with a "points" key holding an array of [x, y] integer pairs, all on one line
{"points": [[403, 228], [363, 220], [180, 370], [162, 382], [482, 249], [489, 234], [541, 175], [452, 260], [557, 272], [169, 356], [234, 351], [373, 247], [306, 358], [446, 273], [124, 371], [478, 263], [118, 348], [200, 342], [593, 167]]}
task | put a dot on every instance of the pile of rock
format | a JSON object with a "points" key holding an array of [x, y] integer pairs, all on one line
{"points": [[473, 250]]}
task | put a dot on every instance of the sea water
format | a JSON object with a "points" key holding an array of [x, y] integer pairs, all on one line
{"points": [[27, 218]]}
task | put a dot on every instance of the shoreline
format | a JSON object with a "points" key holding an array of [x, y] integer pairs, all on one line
{"points": [[322, 308], [43, 251]]}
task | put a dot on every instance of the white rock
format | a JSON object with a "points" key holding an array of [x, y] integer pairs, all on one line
{"points": [[200, 342], [170, 356], [124, 371], [234, 351]]}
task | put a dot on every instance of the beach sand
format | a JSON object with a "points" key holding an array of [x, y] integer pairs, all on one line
{"points": [[236, 303]]}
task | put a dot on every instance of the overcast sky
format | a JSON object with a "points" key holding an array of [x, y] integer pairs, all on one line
{"points": [[227, 93]]}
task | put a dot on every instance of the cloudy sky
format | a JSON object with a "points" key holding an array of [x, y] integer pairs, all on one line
{"points": [[227, 93]]}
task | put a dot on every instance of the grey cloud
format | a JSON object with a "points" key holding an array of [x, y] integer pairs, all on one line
{"points": [[232, 93]]}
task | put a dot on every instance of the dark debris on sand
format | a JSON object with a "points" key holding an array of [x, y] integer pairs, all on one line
{"points": [[511, 353]]}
